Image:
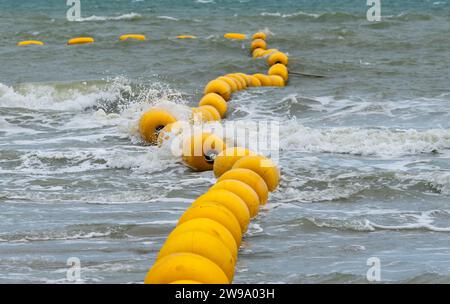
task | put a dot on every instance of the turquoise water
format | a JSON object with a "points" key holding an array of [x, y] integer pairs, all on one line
{"points": [[364, 153]]}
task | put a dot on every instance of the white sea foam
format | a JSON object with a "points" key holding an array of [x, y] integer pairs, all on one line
{"points": [[43, 96], [254, 229], [300, 13], [267, 31], [411, 221], [423, 220], [73, 97], [408, 108], [138, 159], [277, 14], [331, 193], [355, 225], [151, 160], [364, 141], [65, 236], [439, 180], [167, 18], [129, 16], [128, 123], [9, 128]]}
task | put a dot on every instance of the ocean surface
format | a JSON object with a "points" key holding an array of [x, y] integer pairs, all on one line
{"points": [[364, 153]]}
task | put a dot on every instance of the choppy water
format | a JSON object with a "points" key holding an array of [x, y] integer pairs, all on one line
{"points": [[365, 153]]}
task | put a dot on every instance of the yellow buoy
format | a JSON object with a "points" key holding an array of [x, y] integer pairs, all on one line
{"points": [[201, 115], [216, 101], [240, 79], [259, 35], [80, 40], [172, 129], [280, 70], [215, 115], [206, 113], [245, 77], [264, 79], [244, 191], [30, 42], [263, 166], [226, 159], [183, 282], [185, 266], [257, 53], [237, 83], [251, 178], [254, 81], [219, 87], [278, 57], [211, 227], [186, 37], [230, 201], [200, 151], [269, 52], [277, 81], [152, 122], [231, 82], [132, 37], [235, 36], [203, 244], [258, 44], [215, 212]]}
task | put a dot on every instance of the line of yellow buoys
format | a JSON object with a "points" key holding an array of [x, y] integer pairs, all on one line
{"points": [[203, 247], [125, 37]]}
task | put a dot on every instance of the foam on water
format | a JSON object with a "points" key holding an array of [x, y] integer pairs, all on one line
{"points": [[300, 13], [405, 221], [167, 18], [129, 16], [48, 97], [438, 180], [11, 129], [138, 159], [358, 141], [205, 1]]}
